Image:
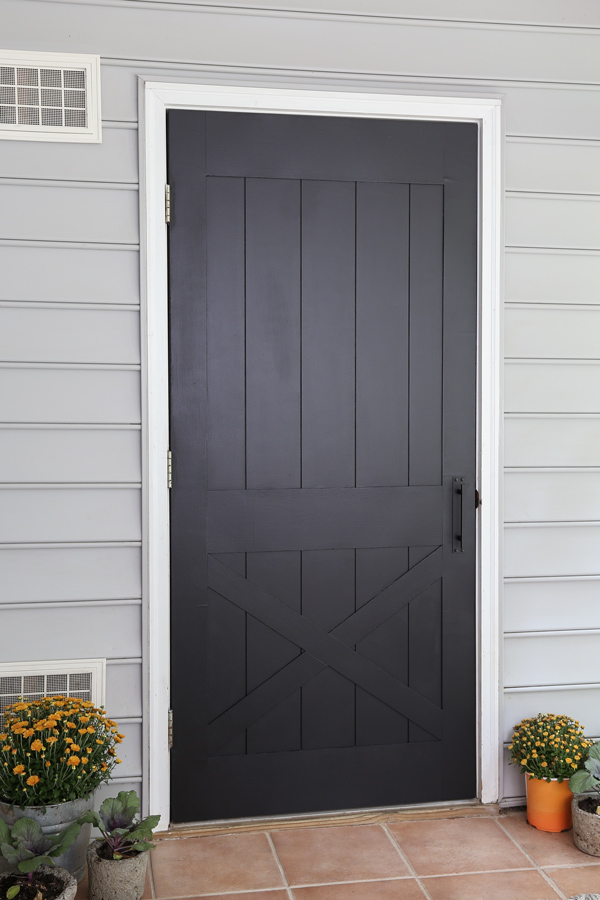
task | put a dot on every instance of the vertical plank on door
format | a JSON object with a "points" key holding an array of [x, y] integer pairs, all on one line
{"points": [[328, 334], [382, 334], [426, 320], [273, 333]]}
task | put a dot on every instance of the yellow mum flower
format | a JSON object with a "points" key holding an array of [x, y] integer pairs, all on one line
{"points": [[70, 724], [544, 764], [75, 748], [84, 760], [33, 779], [524, 762], [18, 770], [3, 737], [48, 765], [90, 729], [37, 745], [73, 761], [68, 740], [29, 732], [6, 747], [568, 759], [51, 740]]}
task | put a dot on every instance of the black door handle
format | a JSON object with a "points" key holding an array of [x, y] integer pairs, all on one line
{"points": [[458, 485]]}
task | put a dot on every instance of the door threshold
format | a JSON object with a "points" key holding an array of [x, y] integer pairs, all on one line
{"points": [[453, 809]]}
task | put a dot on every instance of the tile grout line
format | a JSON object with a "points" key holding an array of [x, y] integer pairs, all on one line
{"points": [[278, 861], [405, 859], [532, 860], [152, 889]]}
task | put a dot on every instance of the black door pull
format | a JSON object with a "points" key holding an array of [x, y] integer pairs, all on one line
{"points": [[458, 485]]}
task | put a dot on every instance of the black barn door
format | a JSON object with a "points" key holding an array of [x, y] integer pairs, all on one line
{"points": [[322, 378]]}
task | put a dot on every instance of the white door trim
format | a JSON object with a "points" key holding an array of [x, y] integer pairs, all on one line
{"points": [[156, 99]]}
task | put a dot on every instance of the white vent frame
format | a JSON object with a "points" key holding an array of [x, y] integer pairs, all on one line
{"points": [[95, 667], [92, 133]]}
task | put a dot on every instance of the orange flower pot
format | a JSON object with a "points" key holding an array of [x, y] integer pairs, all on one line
{"points": [[549, 804]]}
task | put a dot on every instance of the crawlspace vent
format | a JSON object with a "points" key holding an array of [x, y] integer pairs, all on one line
{"points": [[83, 679], [49, 97]]}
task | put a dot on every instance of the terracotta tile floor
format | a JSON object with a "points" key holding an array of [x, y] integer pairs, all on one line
{"points": [[475, 857]]}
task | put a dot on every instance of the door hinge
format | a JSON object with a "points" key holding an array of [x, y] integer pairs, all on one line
{"points": [[170, 729], [169, 469], [477, 499], [167, 203]]}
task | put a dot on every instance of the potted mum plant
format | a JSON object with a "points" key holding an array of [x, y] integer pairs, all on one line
{"points": [[54, 752], [31, 852], [117, 862], [549, 749], [586, 808]]}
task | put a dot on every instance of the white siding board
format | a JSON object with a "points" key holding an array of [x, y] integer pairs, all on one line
{"points": [[69, 335], [130, 751], [552, 496], [113, 787], [114, 160], [69, 455], [582, 704], [552, 441], [58, 213], [69, 395], [102, 631], [69, 573], [69, 274], [538, 332], [556, 605], [124, 690], [551, 659], [552, 387], [548, 277], [552, 167], [41, 515], [552, 221], [531, 550], [513, 780]]}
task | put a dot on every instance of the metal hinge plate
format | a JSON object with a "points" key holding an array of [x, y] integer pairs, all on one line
{"points": [[170, 728], [167, 203], [169, 469]]}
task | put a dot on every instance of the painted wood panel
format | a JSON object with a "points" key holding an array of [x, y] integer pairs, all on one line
{"points": [[31, 574], [120, 31], [123, 689], [69, 395], [551, 550], [70, 455], [552, 496], [582, 704], [69, 335], [552, 221], [552, 441], [114, 160], [59, 213], [559, 605], [551, 659], [533, 331], [102, 631], [549, 277], [42, 515], [69, 274], [551, 166], [552, 387]]}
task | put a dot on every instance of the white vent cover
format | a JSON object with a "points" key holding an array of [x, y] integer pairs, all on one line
{"points": [[49, 97], [82, 678]]}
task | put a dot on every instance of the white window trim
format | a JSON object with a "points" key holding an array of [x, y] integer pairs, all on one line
{"points": [[156, 98]]}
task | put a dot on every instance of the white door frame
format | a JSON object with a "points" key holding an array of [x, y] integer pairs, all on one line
{"points": [[156, 98]]}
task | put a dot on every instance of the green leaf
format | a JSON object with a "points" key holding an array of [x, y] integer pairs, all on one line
{"points": [[26, 830], [4, 832], [28, 865], [141, 846], [10, 854], [13, 891], [581, 781], [594, 751], [90, 818], [68, 837]]}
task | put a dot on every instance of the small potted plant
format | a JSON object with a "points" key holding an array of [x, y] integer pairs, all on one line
{"points": [[586, 809], [54, 752], [117, 863], [549, 749], [31, 852]]}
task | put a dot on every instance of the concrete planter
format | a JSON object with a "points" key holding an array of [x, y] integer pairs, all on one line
{"points": [[115, 879], [586, 828], [69, 884], [52, 820]]}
